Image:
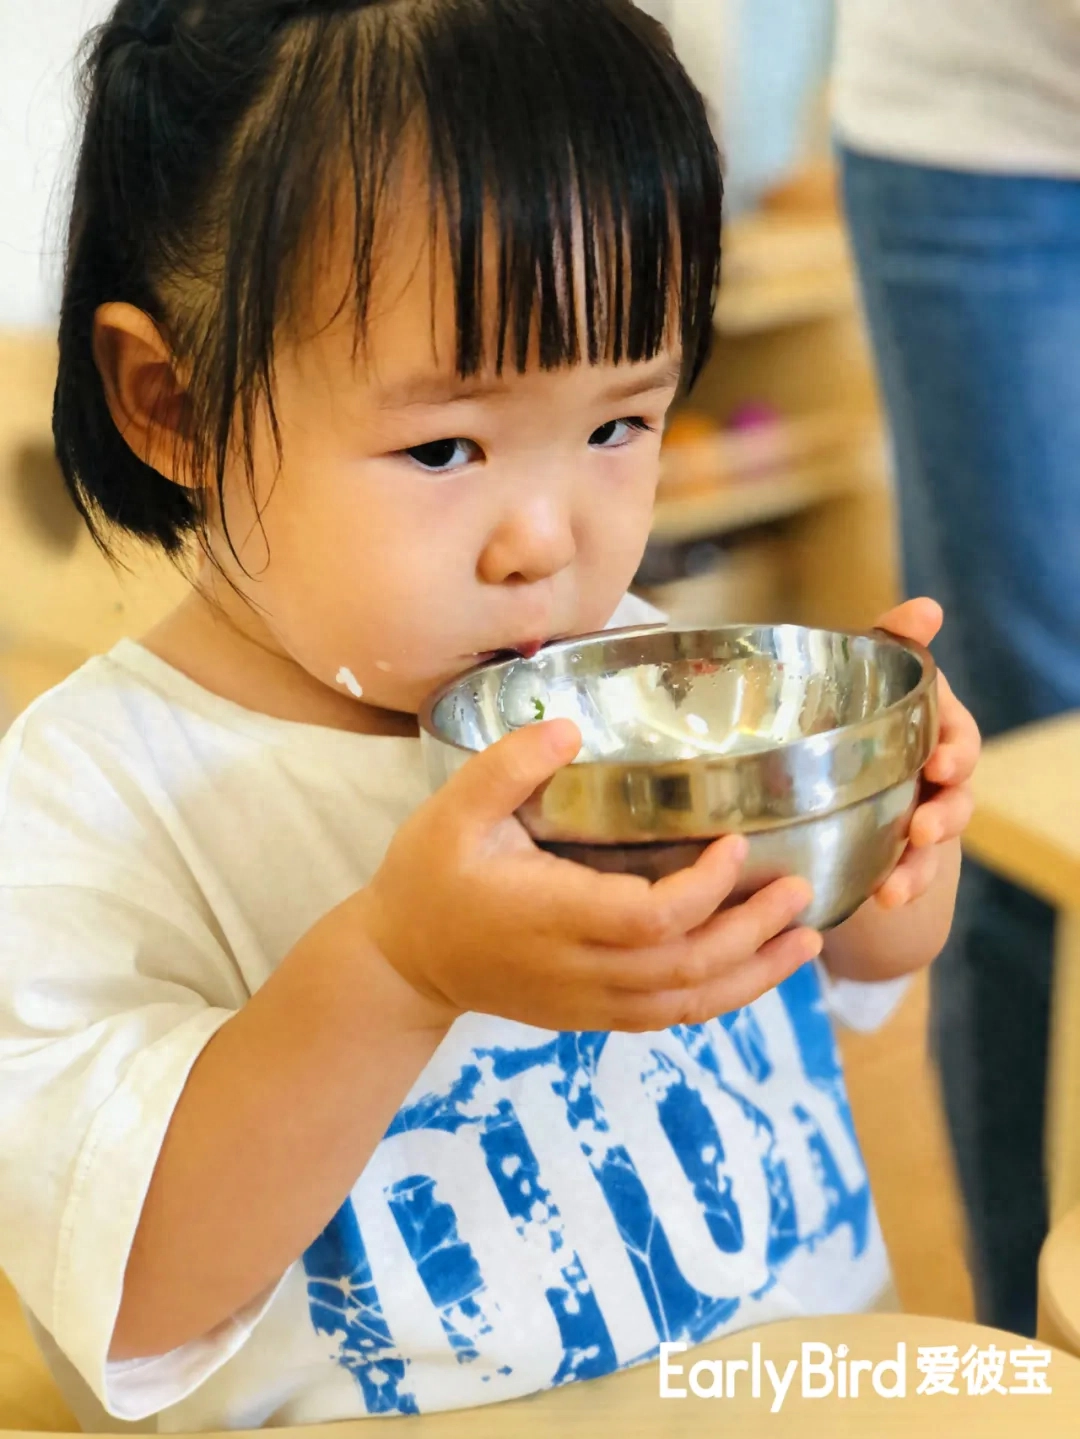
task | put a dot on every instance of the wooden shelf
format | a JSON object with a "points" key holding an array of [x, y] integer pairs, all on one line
{"points": [[729, 456], [791, 301], [782, 270], [801, 486]]}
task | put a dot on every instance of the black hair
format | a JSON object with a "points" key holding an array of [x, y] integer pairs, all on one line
{"points": [[217, 132]]}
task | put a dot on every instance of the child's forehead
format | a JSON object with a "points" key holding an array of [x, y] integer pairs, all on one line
{"points": [[402, 387]]}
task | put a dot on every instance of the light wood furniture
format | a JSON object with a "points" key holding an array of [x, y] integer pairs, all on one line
{"points": [[629, 1404], [54, 596], [1059, 1286], [28, 1397], [1027, 828], [895, 1100], [790, 336], [784, 266]]}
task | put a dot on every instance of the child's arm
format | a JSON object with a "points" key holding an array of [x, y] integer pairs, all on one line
{"points": [[880, 944], [289, 1099], [280, 1114]]}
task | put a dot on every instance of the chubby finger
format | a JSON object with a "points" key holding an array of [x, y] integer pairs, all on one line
{"points": [[944, 817], [684, 901], [726, 941], [627, 912], [911, 879], [772, 964], [736, 986], [759, 919], [960, 744], [497, 781], [919, 620]]}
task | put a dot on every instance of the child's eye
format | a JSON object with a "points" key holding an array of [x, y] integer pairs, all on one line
{"points": [[617, 433], [440, 457]]}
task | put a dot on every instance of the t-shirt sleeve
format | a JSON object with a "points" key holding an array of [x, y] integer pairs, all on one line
{"points": [[105, 1006], [861, 1005]]}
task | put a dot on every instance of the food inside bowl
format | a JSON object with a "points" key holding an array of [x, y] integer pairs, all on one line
{"points": [[666, 712]]}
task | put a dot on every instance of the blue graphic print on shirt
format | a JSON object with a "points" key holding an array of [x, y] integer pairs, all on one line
{"points": [[689, 1072], [344, 1304]]}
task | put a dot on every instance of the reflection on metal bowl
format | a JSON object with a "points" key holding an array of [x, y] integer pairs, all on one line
{"points": [[809, 742]]}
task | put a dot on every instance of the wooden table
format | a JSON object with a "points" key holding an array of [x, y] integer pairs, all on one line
{"points": [[629, 1406], [1027, 828]]}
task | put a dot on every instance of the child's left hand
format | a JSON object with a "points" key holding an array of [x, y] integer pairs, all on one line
{"points": [[945, 815]]}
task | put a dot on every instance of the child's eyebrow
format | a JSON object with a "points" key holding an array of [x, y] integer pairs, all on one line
{"points": [[447, 390], [667, 376]]}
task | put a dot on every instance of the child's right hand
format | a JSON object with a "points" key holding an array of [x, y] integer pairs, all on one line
{"points": [[476, 918]]}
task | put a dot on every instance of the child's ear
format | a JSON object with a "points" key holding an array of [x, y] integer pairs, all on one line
{"points": [[144, 389]]}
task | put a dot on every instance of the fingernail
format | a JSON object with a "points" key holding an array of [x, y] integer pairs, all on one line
{"points": [[815, 943], [740, 849]]}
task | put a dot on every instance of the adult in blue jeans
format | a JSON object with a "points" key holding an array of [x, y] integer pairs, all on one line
{"points": [[959, 124]]}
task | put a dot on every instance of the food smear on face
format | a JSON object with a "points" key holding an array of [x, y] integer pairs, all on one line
{"points": [[348, 680]]}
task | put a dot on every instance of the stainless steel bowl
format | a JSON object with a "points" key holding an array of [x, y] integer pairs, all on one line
{"points": [[809, 742]]}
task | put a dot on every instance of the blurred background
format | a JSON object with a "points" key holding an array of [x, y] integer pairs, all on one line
{"points": [[777, 501]]}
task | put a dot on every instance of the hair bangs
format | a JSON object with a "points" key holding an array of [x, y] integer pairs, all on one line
{"points": [[569, 159], [597, 173]]}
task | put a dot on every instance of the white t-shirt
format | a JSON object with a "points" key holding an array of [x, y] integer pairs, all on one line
{"points": [[544, 1208], [985, 85]]}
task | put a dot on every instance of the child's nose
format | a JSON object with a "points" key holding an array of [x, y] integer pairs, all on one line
{"points": [[532, 543]]}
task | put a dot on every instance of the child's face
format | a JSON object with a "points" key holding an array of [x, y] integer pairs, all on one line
{"points": [[419, 520]]}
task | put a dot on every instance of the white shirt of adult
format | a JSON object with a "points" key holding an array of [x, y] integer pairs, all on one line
{"points": [[982, 85]]}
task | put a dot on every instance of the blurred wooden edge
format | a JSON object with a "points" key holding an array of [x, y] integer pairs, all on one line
{"points": [[29, 1398], [1026, 827], [1059, 1286]]}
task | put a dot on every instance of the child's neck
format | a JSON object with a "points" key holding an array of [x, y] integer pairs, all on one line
{"points": [[216, 640]]}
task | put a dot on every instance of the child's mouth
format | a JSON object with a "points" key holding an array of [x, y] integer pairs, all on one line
{"points": [[527, 649]]}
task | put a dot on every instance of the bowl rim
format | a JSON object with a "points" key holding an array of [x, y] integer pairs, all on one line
{"points": [[807, 743]]}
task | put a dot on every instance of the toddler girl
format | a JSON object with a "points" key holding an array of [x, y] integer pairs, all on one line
{"points": [[321, 1098]]}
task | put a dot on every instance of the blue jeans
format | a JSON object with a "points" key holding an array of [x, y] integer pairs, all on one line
{"points": [[972, 291]]}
